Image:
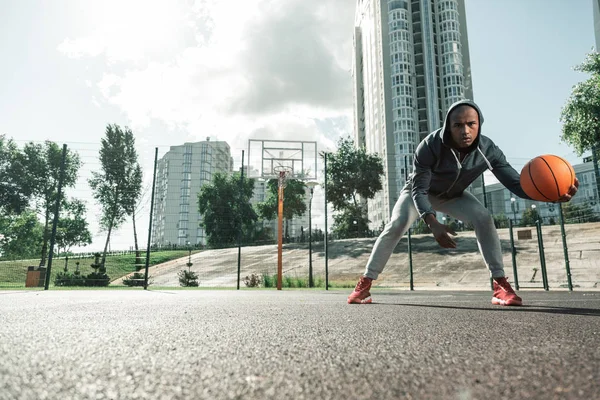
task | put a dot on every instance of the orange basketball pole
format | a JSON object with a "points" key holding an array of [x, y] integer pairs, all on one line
{"points": [[280, 238]]}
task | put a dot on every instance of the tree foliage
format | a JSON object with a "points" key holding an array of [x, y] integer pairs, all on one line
{"points": [[294, 200], [21, 235], [14, 190], [350, 223], [581, 114], [225, 208], [118, 184], [579, 213], [530, 217], [352, 175], [500, 221], [41, 173], [72, 229]]}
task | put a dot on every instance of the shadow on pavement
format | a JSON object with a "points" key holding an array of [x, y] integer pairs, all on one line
{"points": [[526, 308]]}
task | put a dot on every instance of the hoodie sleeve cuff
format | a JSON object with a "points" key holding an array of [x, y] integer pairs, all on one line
{"points": [[424, 215]]}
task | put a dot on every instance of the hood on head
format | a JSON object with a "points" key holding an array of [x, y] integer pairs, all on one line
{"points": [[446, 139]]}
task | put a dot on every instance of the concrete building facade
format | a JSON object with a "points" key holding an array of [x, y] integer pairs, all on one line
{"points": [[181, 173], [411, 62]]}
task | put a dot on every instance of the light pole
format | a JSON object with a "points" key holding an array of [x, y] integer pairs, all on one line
{"points": [[189, 264], [512, 205], [311, 185], [533, 207], [355, 222]]}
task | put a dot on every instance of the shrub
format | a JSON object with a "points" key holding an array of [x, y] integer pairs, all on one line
{"points": [[75, 279], [253, 280], [137, 279], [269, 280], [97, 279], [69, 279], [187, 278]]}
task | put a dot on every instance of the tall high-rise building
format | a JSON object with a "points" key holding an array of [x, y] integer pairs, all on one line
{"points": [[597, 22], [411, 62], [180, 174]]}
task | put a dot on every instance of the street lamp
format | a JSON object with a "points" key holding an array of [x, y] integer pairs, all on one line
{"points": [[189, 263], [533, 207], [311, 185], [512, 205]]}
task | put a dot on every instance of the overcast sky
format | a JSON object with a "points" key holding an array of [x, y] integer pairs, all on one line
{"points": [[177, 71]]}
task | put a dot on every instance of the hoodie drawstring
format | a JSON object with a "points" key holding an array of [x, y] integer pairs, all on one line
{"points": [[458, 164], [486, 160]]}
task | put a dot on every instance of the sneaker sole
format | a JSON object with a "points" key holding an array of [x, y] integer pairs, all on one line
{"points": [[368, 300], [499, 302]]}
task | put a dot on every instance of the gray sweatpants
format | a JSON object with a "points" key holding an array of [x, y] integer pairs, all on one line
{"points": [[465, 208]]}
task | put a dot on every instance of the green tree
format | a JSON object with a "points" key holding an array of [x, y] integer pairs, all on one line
{"points": [[72, 229], [350, 223], [581, 114], [118, 185], [579, 213], [14, 191], [352, 175], [501, 221], [21, 235], [225, 208], [41, 169], [294, 201], [530, 217]]}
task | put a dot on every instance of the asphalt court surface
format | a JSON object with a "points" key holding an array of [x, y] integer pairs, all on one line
{"points": [[297, 344]]}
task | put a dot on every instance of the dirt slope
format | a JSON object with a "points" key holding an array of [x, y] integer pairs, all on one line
{"points": [[432, 265]]}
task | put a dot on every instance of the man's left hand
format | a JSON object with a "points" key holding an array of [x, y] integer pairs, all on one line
{"points": [[570, 193]]}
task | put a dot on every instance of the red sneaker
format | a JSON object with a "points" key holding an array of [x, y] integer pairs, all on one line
{"points": [[361, 294], [504, 295]]}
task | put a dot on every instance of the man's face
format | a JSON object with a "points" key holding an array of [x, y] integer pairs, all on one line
{"points": [[464, 126]]}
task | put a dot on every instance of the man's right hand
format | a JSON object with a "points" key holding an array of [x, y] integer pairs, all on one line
{"points": [[441, 232]]}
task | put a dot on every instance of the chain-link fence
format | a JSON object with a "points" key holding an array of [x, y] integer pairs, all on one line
{"points": [[213, 241]]}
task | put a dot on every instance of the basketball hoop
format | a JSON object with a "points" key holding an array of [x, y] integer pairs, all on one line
{"points": [[283, 174]]}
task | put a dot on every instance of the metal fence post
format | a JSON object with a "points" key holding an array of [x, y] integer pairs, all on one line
{"points": [[538, 225], [565, 248], [410, 261], [150, 223], [513, 253], [239, 259], [325, 237]]}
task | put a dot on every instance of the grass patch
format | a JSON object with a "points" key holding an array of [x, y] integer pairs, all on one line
{"points": [[14, 273], [270, 281]]}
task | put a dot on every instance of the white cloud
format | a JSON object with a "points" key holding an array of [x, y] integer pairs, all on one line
{"points": [[271, 67], [186, 70]]}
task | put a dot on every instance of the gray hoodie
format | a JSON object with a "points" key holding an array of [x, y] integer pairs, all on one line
{"points": [[437, 170]]}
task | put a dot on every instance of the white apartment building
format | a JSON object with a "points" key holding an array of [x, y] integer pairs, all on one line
{"points": [[181, 172], [411, 62]]}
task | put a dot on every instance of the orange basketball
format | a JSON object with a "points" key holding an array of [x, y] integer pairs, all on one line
{"points": [[547, 177]]}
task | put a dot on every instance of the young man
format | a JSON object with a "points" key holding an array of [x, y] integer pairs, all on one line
{"points": [[446, 162]]}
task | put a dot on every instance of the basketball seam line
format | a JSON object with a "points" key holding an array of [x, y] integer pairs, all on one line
{"points": [[533, 181], [569, 168], [553, 176]]}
